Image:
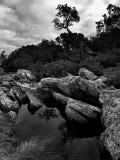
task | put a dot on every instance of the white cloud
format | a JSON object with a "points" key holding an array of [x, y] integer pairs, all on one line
{"points": [[28, 21]]}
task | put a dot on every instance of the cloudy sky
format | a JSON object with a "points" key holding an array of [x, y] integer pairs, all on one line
{"points": [[24, 22]]}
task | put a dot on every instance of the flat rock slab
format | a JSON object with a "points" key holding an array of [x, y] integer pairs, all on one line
{"points": [[81, 112]]}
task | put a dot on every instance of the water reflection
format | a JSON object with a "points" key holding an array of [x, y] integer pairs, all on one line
{"points": [[48, 113], [78, 140]]}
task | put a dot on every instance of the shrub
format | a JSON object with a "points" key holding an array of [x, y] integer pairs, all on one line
{"points": [[57, 69], [109, 61], [92, 65], [114, 78]]}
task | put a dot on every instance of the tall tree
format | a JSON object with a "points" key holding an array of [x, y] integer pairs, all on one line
{"points": [[110, 21], [65, 17]]}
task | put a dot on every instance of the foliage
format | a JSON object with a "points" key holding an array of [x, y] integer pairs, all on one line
{"points": [[68, 14], [108, 31], [92, 65], [113, 73], [3, 56], [32, 55], [57, 69], [70, 41], [106, 41], [110, 21], [109, 61]]}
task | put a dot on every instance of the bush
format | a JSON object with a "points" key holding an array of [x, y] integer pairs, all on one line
{"points": [[92, 65], [114, 78], [109, 61], [57, 69]]}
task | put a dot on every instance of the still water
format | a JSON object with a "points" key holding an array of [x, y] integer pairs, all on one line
{"points": [[79, 141]]}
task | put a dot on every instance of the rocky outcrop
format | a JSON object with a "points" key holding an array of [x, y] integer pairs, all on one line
{"points": [[111, 112], [105, 95], [24, 76], [81, 112], [74, 86], [110, 139], [79, 96], [86, 74], [19, 95], [70, 86], [60, 89], [90, 88], [6, 104]]}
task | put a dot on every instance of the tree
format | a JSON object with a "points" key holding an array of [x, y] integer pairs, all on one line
{"points": [[2, 56], [110, 21], [70, 41], [68, 16]]}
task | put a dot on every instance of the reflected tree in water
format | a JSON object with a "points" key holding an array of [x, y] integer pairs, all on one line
{"points": [[48, 113]]}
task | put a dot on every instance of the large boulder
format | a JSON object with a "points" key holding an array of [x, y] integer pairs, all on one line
{"points": [[110, 141], [17, 93], [70, 86], [86, 74], [6, 104], [81, 112], [111, 112], [33, 102], [24, 75], [49, 82], [90, 88], [102, 81], [77, 87]]}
